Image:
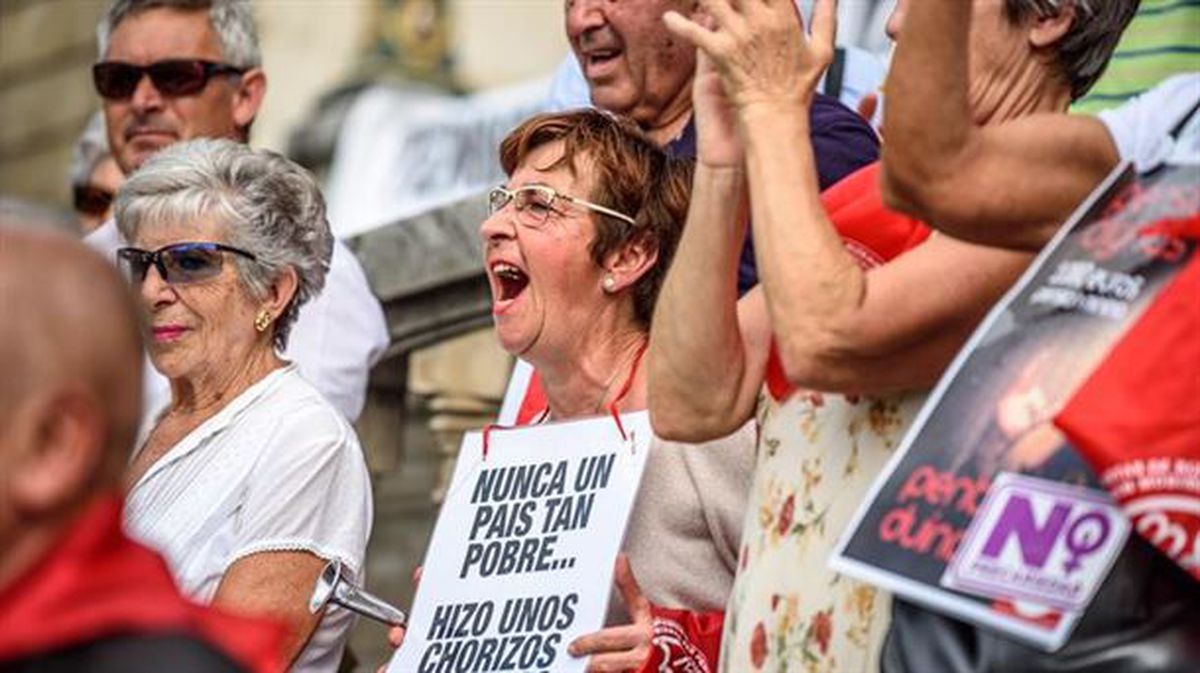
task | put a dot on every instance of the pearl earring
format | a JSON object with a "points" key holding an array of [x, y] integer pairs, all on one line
{"points": [[610, 283]]}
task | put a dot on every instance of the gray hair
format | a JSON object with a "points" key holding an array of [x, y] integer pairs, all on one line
{"points": [[90, 149], [270, 206], [231, 20], [1085, 50]]}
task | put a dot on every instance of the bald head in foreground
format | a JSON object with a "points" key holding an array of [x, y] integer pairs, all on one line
{"points": [[75, 593], [70, 396]]}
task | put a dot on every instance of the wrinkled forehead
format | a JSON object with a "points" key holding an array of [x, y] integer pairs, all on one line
{"points": [[638, 21]]}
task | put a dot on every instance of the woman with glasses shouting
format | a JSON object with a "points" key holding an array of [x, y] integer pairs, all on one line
{"points": [[575, 249], [249, 481]]}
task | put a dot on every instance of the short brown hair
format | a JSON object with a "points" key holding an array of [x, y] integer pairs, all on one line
{"points": [[633, 176]]}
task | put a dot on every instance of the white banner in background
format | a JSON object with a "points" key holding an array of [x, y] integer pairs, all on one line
{"points": [[402, 152]]}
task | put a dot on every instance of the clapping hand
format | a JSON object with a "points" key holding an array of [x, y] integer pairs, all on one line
{"points": [[718, 144], [760, 49]]}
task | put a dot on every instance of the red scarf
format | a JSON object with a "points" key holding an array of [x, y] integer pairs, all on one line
{"points": [[1137, 421], [97, 583]]}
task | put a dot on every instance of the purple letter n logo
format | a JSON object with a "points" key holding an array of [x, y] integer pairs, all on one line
{"points": [[1038, 541], [1086, 534], [1017, 519]]}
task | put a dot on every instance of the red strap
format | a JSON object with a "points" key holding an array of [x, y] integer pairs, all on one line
{"points": [[487, 435], [624, 390], [487, 429], [535, 407]]}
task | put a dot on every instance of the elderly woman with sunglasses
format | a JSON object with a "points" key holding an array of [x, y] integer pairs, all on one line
{"points": [[576, 247], [249, 482]]}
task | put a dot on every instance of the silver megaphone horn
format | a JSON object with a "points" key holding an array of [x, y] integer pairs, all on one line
{"points": [[334, 587]]}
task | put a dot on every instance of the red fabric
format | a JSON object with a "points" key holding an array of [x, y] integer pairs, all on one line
{"points": [[534, 402], [1137, 421], [98, 583], [872, 233], [684, 642]]}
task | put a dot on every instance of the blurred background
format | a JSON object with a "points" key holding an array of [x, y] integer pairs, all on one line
{"points": [[382, 99], [314, 52], [398, 106]]}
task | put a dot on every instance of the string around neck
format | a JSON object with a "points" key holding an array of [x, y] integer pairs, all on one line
{"points": [[622, 393]]}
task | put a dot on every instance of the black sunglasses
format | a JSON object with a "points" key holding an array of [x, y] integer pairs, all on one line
{"points": [[177, 263], [91, 200], [116, 80]]}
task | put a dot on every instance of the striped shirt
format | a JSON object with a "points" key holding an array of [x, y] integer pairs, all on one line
{"points": [[1162, 40]]}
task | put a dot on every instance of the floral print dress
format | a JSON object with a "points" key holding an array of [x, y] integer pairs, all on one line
{"points": [[817, 456]]}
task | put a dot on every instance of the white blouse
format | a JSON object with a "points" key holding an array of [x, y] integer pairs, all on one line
{"points": [[278, 469]]}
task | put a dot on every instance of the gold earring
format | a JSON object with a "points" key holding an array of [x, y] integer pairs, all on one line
{"points": [[263, 320]]}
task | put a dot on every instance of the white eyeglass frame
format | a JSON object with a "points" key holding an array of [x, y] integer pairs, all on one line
{"points": [[511, 194]]}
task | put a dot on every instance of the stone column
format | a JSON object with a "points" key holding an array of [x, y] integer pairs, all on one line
{"points": [[464, 379]]}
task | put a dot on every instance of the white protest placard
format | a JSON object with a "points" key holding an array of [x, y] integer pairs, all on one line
{"points": [[521, 559]]}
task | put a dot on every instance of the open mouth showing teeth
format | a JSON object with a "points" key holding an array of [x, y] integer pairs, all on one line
{"points": [[512, 280], [602, 56]]}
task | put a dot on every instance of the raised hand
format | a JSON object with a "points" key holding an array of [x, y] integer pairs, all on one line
{"points": [[717, 142], [760, 49]]}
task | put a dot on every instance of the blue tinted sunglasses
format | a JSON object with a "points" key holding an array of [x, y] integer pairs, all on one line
{"points": [[177, 263]]}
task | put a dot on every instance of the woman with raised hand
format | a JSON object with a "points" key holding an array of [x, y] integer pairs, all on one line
{"points": [[576, 247], [859, 310]]}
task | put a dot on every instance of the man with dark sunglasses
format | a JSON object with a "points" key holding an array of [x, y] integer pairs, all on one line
{"points": [[171, 71], [94, 176], [174, 70]]}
